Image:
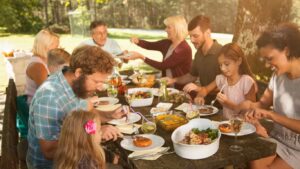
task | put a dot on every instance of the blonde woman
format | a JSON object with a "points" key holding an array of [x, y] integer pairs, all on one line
{"points": [[37, 70], [79, 142], [177, 54]]}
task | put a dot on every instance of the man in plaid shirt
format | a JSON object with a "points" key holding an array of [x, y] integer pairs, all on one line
{"points": [[62, 93]]}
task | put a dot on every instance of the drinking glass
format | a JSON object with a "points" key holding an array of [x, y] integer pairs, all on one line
{"points": [[236, 125], [112, 91], [148, 125]]}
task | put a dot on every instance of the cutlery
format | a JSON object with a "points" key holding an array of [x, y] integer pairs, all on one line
{"points": [[213, 101]]}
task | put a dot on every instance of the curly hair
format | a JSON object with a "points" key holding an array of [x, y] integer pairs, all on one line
{"points": [[91, 59], [281, 36]]}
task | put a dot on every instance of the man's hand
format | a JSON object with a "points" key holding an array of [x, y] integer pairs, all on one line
{"points": [[119, 113], [169, 81], [199, 100], [190, 87], [110, 132], [134, 40]]}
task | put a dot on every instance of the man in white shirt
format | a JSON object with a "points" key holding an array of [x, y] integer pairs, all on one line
{"points": [[99, 37]]}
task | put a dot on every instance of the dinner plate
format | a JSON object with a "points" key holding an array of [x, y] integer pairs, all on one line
{"points": [[214, 110], [157, 141], [186, 107], [110, 100], [155, 91], [132, 118], [247, 128]]}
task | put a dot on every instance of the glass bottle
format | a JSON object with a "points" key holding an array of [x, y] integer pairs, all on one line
{"points": [[164, 91]]}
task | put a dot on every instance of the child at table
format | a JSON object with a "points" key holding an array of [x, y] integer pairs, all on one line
{"points": [[57, 59], [79, 142], [235, 83]]}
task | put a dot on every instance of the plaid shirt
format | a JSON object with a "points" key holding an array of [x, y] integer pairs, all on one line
{"points": [[50, 104]]}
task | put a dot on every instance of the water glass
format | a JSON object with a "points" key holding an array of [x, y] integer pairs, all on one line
{"points": [[112, 91], [148, 125]]}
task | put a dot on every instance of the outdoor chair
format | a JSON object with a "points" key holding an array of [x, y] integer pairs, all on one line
{"points": [[10, 138]]}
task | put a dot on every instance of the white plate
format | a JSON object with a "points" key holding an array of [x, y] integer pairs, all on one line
{"points": [[111, 100], [170, 91], [247, 128], [215, 110], [157, 141], [132, 118]]}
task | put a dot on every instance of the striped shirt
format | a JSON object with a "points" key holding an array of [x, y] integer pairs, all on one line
{"points": [[50, 104]]}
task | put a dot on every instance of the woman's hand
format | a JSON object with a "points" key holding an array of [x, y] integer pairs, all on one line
{"points": [[134, 40], [110, 132], [257, 114], [135, 55]]}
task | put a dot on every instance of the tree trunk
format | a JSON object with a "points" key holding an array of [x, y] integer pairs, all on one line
{"points": [[46, 12], [253, 17]]}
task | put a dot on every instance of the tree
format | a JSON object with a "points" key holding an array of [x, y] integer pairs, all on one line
{"points": [[253, 17]]}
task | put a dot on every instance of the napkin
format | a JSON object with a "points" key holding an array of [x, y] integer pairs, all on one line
{"points": [[150, 152], [185, 107], [128, 128]]}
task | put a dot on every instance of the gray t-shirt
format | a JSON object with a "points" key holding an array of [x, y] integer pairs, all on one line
{"points": [[286, 101]]}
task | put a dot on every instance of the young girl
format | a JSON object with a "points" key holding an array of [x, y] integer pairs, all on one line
{"points": [[235, 83], [79, 142]]}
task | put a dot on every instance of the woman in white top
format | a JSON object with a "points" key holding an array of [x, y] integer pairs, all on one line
{"points": [[235, 83], [37, 70], [280, 49]]}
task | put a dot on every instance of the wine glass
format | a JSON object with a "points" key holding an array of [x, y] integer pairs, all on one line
{"points": [[148, 124], [112, 91], [236, 125]]}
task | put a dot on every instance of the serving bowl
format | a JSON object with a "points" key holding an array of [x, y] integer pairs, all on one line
{"points": [[139, 102], [191, 151]]}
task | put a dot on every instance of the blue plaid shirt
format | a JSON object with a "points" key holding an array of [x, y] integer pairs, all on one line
{"points": [[50, 104]]}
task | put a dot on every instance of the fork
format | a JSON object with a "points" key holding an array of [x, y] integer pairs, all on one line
{"points": [[213, 101]]}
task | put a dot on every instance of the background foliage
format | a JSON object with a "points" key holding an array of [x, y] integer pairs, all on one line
{"points": [[22, 16]]}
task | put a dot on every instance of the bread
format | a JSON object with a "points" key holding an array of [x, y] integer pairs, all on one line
{"points": [[225, 128], [140, 141]]}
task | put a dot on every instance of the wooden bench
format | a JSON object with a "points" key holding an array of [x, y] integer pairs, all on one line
{"points": [[10, 137]]}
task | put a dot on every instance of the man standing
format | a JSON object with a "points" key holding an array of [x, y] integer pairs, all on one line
{"points": [[62, 93], [205, 64], [99, 38]]}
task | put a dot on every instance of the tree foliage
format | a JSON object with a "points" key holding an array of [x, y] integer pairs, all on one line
{"points": [[20, 15]]}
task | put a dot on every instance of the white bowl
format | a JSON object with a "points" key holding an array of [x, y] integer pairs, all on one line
{"points": [[141, 102], [194, 151]]}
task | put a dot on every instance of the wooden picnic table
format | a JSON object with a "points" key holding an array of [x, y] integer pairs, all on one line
{"points": [[254, 147]]}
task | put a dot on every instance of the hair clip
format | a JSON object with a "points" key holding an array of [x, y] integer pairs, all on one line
{"points": [[90, 127]]}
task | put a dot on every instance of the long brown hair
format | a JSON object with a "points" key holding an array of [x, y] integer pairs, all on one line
{"points": [[234, 52], [75, 144]]}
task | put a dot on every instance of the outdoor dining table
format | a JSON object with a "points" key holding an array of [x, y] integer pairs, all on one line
{"points": [[254, 147]]}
